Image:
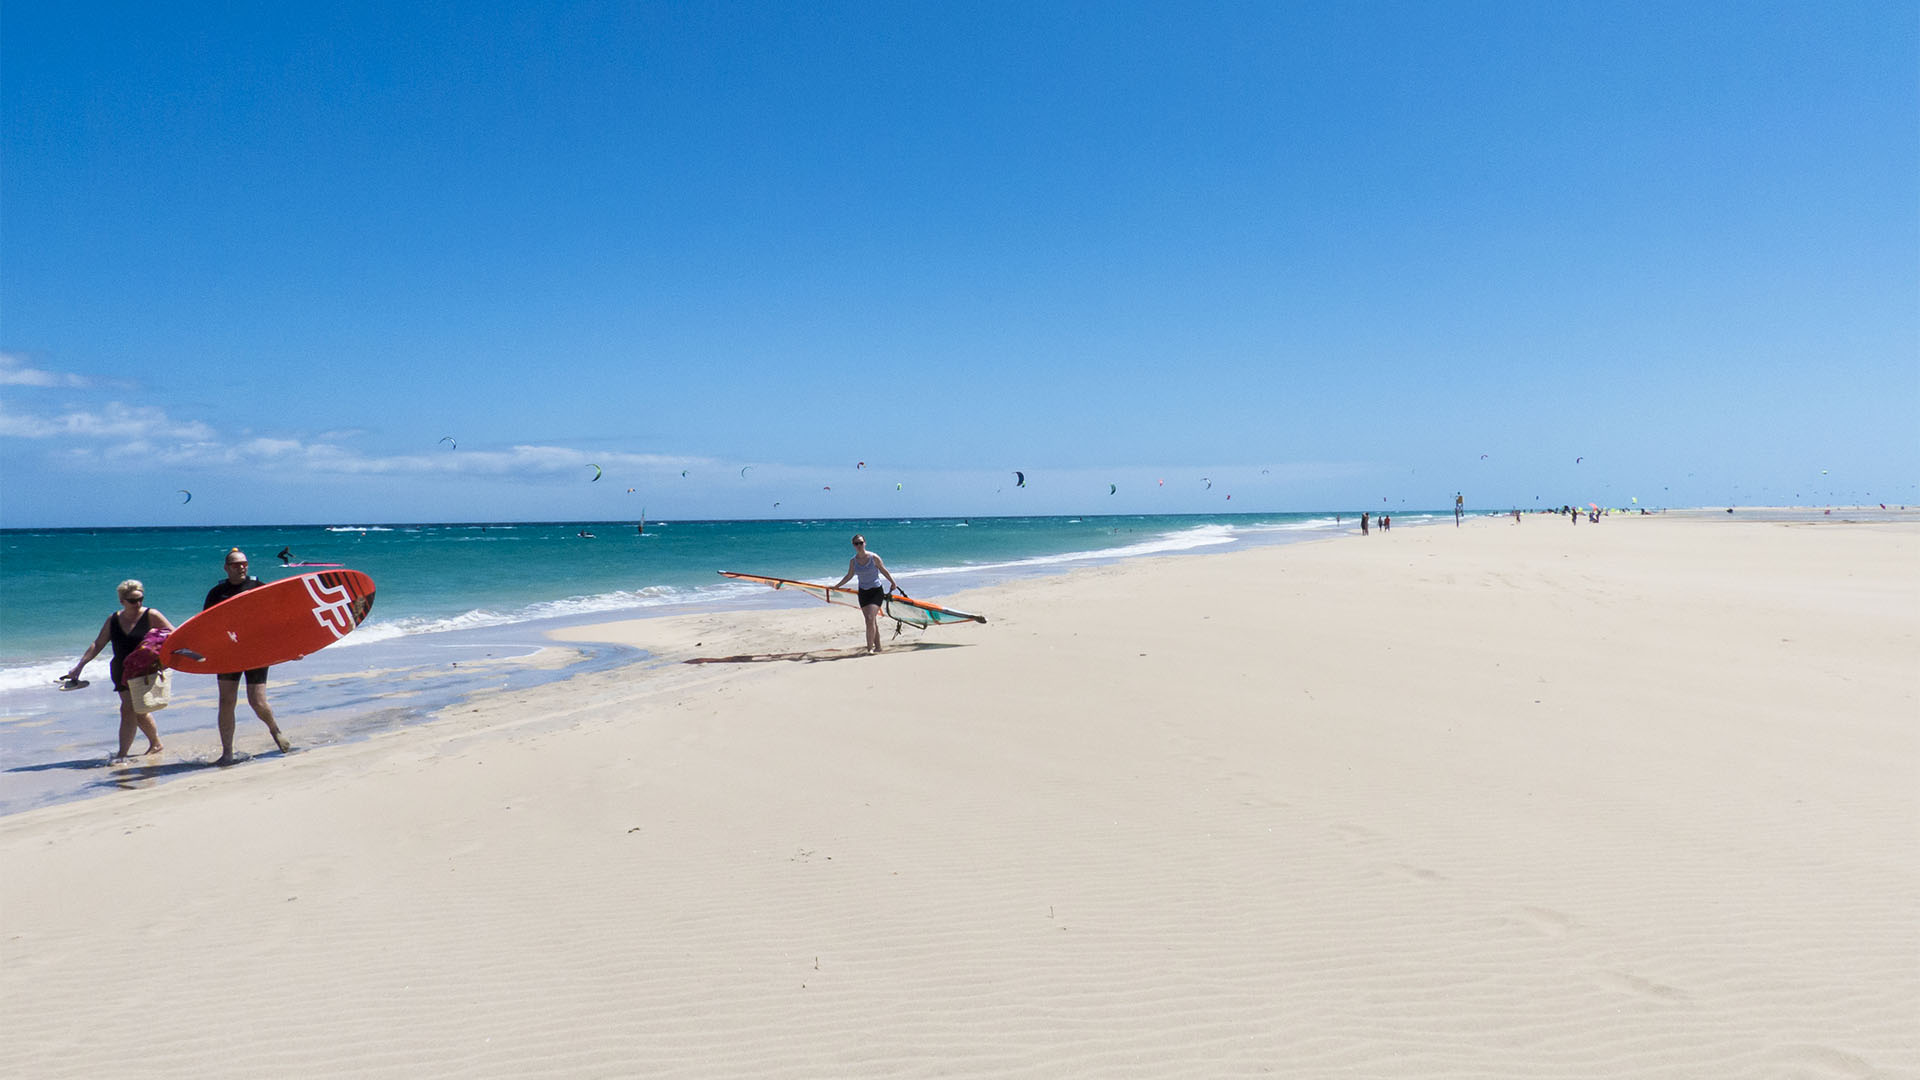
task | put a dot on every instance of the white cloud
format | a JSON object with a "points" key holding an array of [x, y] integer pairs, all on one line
{"points": [[118, 436], [125, 423], [270, 448], [518, 460], [15, 372]]}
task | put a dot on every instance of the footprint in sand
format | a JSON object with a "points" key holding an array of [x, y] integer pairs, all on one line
{"points": [[1548, 922], [1417, 873], [1355, 834], [1628, 983]]}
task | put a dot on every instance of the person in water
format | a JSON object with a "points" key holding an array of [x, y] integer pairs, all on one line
{"points": [[124, 630], [236, 583], [870, 569]]}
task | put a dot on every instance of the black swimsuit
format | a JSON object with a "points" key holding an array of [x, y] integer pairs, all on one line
{"points": [[124, 642]]}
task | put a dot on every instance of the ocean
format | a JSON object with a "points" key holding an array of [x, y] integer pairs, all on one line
{"points": [[477, 593]]}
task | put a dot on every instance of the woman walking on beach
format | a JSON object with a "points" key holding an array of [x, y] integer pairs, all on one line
{"points": [[870, 569], [124, 630]]}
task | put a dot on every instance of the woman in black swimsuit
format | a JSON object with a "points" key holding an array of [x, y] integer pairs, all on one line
{"points": [[124, 630]]}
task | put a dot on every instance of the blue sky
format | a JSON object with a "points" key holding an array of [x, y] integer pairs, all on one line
{"points": [[1325, 255]]}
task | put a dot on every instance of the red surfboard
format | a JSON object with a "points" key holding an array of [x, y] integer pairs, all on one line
{"points": [[271, 624]]}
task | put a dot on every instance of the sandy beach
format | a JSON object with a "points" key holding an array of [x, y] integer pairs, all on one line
{"points": [[1510, 800]]}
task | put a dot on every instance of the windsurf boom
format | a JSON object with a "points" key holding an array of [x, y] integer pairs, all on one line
{"points": [[900, 609]]}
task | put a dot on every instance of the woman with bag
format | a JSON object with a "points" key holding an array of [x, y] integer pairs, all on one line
{"points": [[125, 630]]}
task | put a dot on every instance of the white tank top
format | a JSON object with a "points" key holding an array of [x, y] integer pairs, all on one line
{"points": [[869, 571]]}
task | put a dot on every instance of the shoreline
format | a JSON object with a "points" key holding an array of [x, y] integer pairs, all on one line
{"points": [[1507, 799], [667, 580], [331, 698], [334, 696]]}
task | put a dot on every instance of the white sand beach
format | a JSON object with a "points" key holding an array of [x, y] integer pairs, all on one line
{"points": [[1510, 800]]}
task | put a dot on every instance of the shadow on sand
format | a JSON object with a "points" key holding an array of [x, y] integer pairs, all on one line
{"points": [[130, 775], [96, 762], [818, 655]]}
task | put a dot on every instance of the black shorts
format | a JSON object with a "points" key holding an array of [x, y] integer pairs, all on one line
{"points": [[255, 676], [873, 597]]}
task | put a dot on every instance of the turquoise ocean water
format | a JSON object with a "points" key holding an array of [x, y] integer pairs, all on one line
{"points": [[449, 593]]}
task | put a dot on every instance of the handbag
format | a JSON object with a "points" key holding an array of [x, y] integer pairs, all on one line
{"points": [[145, 658], [149, 693]]}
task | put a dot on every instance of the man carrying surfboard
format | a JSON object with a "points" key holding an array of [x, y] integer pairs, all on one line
{"points": [[867, 564], [236, 583]]}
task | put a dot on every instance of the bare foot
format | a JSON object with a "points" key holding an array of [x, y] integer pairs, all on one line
{"points": [[153, 748], [225, 761], [280, 740]]}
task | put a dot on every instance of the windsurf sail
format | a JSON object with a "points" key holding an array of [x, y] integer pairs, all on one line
{"points": [[899, 608]]}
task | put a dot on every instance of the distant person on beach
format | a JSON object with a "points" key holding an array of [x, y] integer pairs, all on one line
{"points": [[870, 569], [124, 630], [236, 583], [1363, 522], [1459, 508], [1386, 522]]}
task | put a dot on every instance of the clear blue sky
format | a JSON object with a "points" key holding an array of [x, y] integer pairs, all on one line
{"points": [[1324, 255]]}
